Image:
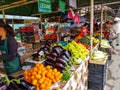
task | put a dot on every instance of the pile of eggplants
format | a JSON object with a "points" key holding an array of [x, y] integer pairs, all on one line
{"points": [[58, 58], [43, 50], [11, 83]]}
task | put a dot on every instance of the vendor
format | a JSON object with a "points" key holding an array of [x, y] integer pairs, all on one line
{"points": [[84, 30], [8, 49]]}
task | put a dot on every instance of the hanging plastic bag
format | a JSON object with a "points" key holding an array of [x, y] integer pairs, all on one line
{"points": [[76, 18], [70, 14]]}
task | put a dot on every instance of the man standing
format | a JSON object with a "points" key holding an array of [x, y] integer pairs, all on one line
{"points": [[116, 28]]}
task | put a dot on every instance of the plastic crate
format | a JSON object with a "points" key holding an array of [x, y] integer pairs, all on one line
{"points": [[97, 78], [95, 86], [97, 69]]}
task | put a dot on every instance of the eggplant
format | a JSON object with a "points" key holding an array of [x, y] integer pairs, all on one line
{"points": [[49, 63], [64, 57], [27, 85], [35, 55], [61, 61], [21, 77], [54, 53], [13, 86], [47, 45], [50, 57], [67, 53], [41, 50], [3, 86], [59, 65], [46, 49], [58, 49]]}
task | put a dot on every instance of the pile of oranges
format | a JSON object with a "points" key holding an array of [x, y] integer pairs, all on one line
{"points": [[42, 76]]}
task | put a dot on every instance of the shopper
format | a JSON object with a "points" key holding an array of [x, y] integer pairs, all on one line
{"points": [[8, 49], [84, 30], [116, 29]]}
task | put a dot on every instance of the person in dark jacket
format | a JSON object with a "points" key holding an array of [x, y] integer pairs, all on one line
{"points": [[8, 48]]}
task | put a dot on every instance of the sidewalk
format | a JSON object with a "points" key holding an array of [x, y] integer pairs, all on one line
{"points": [[113, 71]]}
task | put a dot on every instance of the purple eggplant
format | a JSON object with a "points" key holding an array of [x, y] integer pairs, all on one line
{"points": [[3, 86], [48, 46], [51, 61], [13, 86], [59, 65], [64, 57], [48, 63], [41, 50], [61, 60], [48, 43], [58, 49], [28, 85], [67, 53], [54, 53], [50, 57]]}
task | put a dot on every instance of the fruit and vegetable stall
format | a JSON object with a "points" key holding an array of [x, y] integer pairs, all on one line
{"points": [[56, 66]]}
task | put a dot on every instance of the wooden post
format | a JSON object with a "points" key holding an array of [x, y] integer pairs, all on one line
{"points": [[41, 20], [12, 23], [101, 26], [91, 25], [3, 12], [105, 15]]}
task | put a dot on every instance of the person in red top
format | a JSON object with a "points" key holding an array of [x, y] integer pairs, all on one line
{"points": [[84, 30]]}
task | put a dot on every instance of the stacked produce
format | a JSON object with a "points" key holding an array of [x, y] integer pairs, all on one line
{"points": [[40, 55], [42, 76], [86, 41], [78, 51], [99, 56], [11, 83], [105, 44], [59, 58]]}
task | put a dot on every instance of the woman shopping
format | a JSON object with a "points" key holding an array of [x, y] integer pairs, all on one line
{"points": [[8, 49]]}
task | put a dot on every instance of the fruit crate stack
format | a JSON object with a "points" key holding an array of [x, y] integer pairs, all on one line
{"points": [[27, 34], [97, 76]]}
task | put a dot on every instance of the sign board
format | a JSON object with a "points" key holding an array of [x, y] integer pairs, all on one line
{"points": [[62, 6], [72, 3], [44, 5]]}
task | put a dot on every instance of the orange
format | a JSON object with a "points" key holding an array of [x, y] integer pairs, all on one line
{"points": [[35, 69], [34, 73], [38, 76], [32, 77], [41, 81], [34, 81], [55, 70], [48, 67], [37, 65], [42, 85], [39, 72]]}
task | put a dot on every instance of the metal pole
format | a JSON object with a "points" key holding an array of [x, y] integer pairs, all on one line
{"points": [[101, 26], [12, 23], [91, 25], [3, 12]]}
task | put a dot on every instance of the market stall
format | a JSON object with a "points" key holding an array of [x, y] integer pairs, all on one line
{"points": [[61, 64]]}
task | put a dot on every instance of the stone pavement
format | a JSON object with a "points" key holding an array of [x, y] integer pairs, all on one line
{"points": [[113, 71]]}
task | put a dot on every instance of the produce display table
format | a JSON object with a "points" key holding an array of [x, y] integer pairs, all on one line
{"points": [[79, 79]]}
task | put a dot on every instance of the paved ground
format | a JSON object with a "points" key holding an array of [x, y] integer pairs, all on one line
{"points": [[113, 72]]}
